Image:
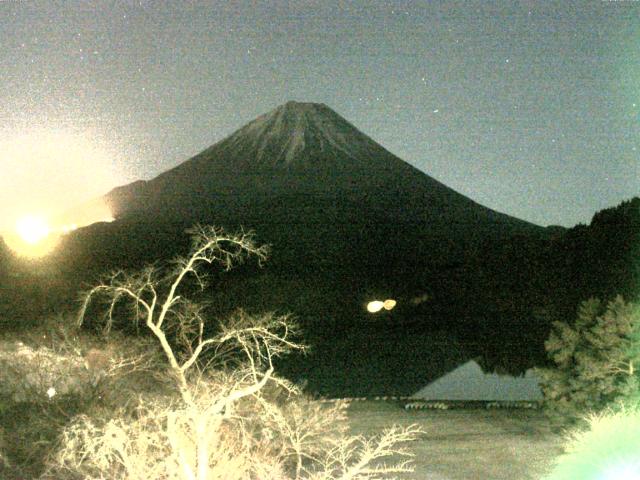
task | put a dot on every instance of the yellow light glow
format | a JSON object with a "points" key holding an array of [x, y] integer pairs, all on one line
{"points": [[389, 304], [82, 215], [31, 237], [32, 229], [375, 306]]}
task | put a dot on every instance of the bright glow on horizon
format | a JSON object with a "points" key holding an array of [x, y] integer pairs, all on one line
{"points": [[32, 237], [82, 215], [32, 229]]}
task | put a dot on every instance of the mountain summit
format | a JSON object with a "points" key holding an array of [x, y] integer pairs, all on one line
{"points": [[294, 136], [297, 134]]}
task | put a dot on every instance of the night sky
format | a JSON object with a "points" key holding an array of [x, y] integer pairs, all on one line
{"points": [[530, 108]]}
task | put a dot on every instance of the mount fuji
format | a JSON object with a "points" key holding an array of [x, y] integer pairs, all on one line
{"points": [[303, 149]]}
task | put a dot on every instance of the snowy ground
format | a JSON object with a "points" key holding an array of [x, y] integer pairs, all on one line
{"points": [[468, 444]]}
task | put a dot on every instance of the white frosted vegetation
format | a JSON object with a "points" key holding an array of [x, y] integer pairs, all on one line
{"points": [[229, 417], [27, 372], [35, 373]]}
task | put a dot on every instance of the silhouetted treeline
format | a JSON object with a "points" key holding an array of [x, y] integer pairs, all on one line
{"points": [[601, 259]]}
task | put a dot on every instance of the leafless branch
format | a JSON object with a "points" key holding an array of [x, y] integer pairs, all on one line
{"points": [[224, 426]]}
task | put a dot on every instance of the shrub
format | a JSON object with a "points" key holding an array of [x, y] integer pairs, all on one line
{"points": [[46, 380], [596, 360]]}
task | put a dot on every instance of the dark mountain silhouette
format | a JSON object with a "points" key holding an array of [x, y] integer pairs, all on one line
{"points": [[303, 149]]}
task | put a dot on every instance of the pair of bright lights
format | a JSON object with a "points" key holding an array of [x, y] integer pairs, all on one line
{"points": [[377, 305]]}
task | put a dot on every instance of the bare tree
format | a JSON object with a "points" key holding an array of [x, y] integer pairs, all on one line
{"points": [[224, 424], [164, 310]]}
